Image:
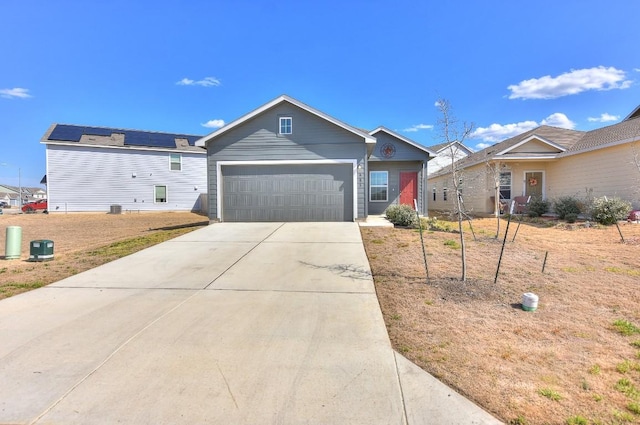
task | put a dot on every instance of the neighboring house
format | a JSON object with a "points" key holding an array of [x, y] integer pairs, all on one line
{"points": [[95, 168], [9, 194], [287, 161], [8, 197], [548, 163], [445, 152]]}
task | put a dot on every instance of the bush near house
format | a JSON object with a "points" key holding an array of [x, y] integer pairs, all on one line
{"points": [[567, 205], [538, 207], [401, 215], [609, 210]]}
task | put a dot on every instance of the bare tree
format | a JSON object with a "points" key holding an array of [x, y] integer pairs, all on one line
{"points": [[452, 131]]}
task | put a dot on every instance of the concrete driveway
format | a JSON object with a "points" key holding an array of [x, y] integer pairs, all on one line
{"points": [[235, 323]]}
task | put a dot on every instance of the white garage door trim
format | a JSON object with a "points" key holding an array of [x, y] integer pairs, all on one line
{"points": [[353, 162]]}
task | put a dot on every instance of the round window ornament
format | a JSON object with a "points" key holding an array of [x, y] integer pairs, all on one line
{"points": [[388, 150]]}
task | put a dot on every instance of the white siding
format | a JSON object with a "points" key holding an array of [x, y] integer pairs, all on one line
{"points": [[94, 178], [444, 159]]}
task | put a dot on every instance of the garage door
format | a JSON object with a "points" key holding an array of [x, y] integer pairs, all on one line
{"points": [[322, 192]]}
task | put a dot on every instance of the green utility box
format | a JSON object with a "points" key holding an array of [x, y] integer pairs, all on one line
{"points": [[41, 250]]}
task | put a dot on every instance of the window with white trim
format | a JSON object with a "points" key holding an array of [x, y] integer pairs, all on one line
{"points": [[175, 162], [379, 186], [444, 194], [434, 194], [286, 125], [160, 194], [505, 185]]}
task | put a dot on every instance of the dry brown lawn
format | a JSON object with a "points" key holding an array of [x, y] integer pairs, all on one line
{"points": [[563, 363], [76, 239]]}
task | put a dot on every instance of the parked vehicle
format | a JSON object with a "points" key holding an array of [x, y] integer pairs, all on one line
{"points": [[4, 204], [40, 204]]}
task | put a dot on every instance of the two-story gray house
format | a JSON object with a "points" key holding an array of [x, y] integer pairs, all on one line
{"points": [[286, 161]]}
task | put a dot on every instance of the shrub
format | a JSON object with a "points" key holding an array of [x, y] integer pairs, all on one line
{"points": [[402, 215], [608, 211], [567, 205], [571, 217], [537, 207]]}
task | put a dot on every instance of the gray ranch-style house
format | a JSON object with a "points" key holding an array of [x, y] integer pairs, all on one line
{"points": [[286, 161]]}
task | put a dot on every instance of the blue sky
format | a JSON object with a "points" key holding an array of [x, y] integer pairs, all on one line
{"points": [[189, 66]]}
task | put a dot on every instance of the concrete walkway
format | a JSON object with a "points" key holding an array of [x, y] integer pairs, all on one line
{"points": [[235, 323]]}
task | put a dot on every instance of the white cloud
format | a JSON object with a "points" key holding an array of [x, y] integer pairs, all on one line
{"points": [[499, 132], [205, 82], [417, 127], [481, 146], [213, 124], [573, 82], [15, 92], [558, 120], [604, 118]]}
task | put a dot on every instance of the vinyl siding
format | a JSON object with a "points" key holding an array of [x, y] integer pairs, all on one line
{"points": [[404, 151], [257, 139], [605, 172], [394, 169], [91, 179]]}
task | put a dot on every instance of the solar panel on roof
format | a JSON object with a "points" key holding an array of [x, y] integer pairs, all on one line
{"points": [[162, 140], [73, 133], [66, 132], [136, 138], [97, 131]]}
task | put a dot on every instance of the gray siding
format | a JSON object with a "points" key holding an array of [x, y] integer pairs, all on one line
{"points": [[313, 138], [404, 151], [90, 179], [394, 168]]}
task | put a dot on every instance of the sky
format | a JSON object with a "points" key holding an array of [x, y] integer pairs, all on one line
{"points": [[191, 66]]}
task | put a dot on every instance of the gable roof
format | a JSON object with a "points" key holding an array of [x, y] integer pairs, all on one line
{"points": [[65, 134], [560, 138], [442, 146], [524, 141], [202, 142], [404, 139]]}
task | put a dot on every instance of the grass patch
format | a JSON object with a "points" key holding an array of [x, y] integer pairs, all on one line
{"points": [[623, 416], [620, 270], [634, 408], [577, 420], [625, 327], [129, 246], [520, 420], [624, 367], [626, 387], [595, 369], [550, 394], [636, 344], [452, 244]]}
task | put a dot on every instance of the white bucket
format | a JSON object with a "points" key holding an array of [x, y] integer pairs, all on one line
{"points": [[529, 301]]}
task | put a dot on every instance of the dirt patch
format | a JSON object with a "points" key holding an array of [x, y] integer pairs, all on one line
{"points": [[76, 235], [565, 361]]}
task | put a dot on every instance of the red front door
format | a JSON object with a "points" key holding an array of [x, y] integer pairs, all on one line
{"points": [[408, 188]]}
